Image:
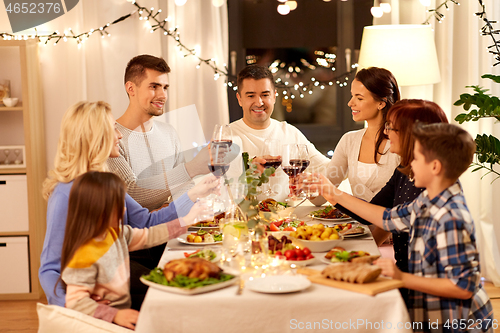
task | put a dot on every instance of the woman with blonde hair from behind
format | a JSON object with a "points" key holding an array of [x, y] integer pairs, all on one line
{"points": [[88, 137]]}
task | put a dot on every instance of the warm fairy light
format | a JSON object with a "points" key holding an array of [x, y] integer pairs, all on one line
{"points": [[283, 9], [180, 2], [386, 7], [377, 11], [292, 4], [217, 3]]}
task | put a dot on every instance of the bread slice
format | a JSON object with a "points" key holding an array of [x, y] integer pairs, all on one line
{"points": [[352, 272]]}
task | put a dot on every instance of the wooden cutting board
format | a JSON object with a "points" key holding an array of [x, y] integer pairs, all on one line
{"points": [[373, 288]]}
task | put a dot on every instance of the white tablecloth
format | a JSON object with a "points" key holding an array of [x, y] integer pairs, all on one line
{"points": [[318, 308]]}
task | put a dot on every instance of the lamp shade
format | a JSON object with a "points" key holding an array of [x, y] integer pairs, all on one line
{"points": [[407, 50]]}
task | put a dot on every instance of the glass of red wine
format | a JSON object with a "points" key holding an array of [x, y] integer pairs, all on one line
{"points": [[289, 158], [222, 134], [301, 160], [271, 152], [218, 165]]}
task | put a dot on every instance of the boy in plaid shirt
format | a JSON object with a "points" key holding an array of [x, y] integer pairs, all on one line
{"points": [[444, 276]]}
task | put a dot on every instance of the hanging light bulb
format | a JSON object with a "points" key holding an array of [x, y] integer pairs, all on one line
{"points": [[180, 2], [377, 11], [283, 9], [281, 0], [426, 3], [386, 7], [217, 3], [291, 4]]}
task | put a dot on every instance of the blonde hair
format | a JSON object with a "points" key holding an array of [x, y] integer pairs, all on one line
{"points": [[85, 143]]}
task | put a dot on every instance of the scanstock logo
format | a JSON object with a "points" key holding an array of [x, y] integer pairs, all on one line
{"points": [[28, 14]]}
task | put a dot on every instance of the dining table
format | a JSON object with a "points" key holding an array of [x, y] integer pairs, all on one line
{"points": [[314, 309]]}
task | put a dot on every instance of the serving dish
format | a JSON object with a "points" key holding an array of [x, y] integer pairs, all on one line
{"points": [[279, 284], [194, 291], [183, 239]]}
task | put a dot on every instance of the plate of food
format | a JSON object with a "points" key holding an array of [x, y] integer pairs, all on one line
{"points": [[272, 210], [339, 254], [350, 229], [206, 253], [330, 214], [286, 224], [201, 238], [208, 225], [279, 284], [188, 276]]}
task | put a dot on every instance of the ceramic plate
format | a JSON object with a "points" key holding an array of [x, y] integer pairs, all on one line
{"points": [[302, 262], [279, 284], [339, 220], [183, 240], [365, 232], [194, 291], [325, 260]]}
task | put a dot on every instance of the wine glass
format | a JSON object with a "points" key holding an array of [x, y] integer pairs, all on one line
{"points": [[271, 152], [222, 134], [290, 166], [301, 159], [218, 165], [6, 152]]}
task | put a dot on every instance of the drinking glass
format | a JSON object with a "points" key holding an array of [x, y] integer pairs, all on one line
{"points": [[218, 165], [310, 185], [301, 160], [291, 168], [271, 152], [222, 134]]}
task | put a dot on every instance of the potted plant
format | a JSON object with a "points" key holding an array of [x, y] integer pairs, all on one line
{"points": [[482, 105]]}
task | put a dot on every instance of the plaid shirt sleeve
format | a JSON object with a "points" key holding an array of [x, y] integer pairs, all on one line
{"points": [[458, 257], [399, 218]]}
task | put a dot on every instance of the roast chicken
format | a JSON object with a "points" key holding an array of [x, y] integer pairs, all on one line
{"points": [[191, 267]]}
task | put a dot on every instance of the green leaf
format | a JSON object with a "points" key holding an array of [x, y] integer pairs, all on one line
{"points": [[495, 78]]}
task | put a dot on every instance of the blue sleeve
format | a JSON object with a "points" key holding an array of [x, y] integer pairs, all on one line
{"points": [[50, 260], [139, 217]]}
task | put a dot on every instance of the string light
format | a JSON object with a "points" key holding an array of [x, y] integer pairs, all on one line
{"points": [[436, 13], [488, 30], [152, 22]]}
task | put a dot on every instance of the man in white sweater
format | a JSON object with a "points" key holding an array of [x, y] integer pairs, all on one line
{"points": [[151, 161], [256, 96]]}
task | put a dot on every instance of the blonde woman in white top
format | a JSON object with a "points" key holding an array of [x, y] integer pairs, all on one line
{"points": [[363, 156]]}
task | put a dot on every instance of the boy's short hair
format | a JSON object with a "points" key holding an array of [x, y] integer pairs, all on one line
{"points": [[255, 72], [450, 144], [136, 67]]}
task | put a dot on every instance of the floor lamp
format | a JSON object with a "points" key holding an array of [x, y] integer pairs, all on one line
{"points": [[408, 51]]}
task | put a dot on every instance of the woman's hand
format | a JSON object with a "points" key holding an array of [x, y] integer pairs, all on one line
{"points": [[126, 318], [389, 268], [325, 187], [208, 185], [201, 210]]}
